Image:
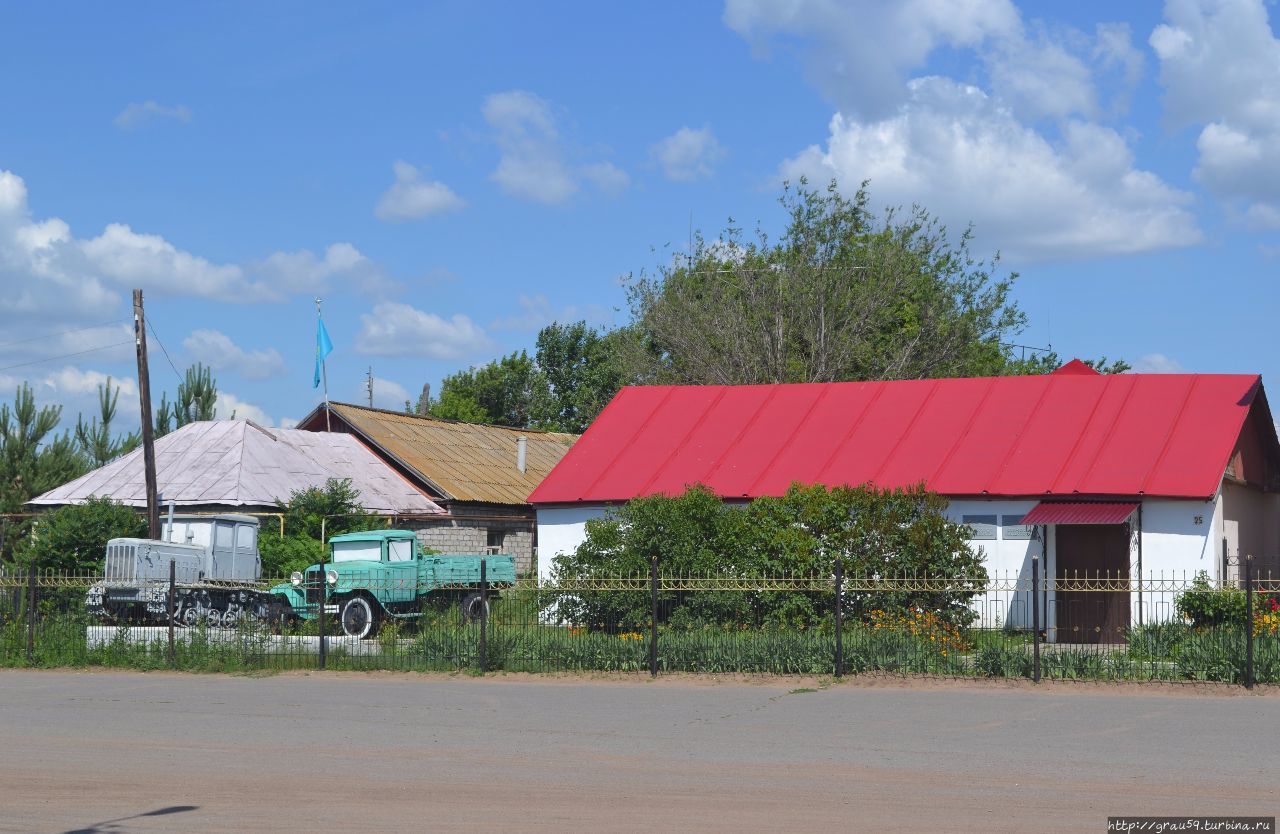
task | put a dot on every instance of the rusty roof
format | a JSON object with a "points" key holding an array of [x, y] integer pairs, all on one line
{"points": [[462, 461]]}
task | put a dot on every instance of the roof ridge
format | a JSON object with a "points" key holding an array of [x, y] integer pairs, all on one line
{"points": [[902, 438], [435, 419], [678, 447], [862, 415], [665, 396], [751, 421], [960, 438], [1017, 441], [1106, 437]]}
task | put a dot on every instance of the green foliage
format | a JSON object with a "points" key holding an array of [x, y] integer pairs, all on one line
{"points": [[1206, 607], [95, 439], [311, 515], [73, 539], [509, 392], [842, 295], [582, 372], [197, 400], [879, 533], [32, 458]]}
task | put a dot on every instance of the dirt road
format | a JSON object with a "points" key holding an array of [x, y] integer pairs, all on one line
{"points": [[107, 752]]}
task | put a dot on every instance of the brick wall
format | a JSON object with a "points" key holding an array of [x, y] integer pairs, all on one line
{"points": [[473, 535]]}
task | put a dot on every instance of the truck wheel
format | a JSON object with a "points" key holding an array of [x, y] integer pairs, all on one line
{"points": [[472, 606], [359, 620]]}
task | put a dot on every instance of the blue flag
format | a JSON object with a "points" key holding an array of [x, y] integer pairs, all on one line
{"points": [[324, 347]]}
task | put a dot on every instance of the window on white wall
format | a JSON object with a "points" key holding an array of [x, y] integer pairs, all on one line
{"points": [[1012, 528], [982, 527]]}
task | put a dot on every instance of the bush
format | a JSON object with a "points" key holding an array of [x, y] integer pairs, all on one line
{"points": [[881, 533], [1207, 607], [73, 539]]}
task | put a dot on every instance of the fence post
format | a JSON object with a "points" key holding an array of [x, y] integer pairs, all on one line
{"points": [[1035, 618], [31, 613], [839, 616], [484, 617], [1248, 622], [653, 616], [173, 574], [323, 598]]}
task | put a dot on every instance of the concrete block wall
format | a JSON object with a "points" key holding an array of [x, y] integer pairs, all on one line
{"points": [[461, 535]]}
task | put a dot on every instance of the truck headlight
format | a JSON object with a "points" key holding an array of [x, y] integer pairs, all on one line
{"points": [[295, 579], [332, 577]]}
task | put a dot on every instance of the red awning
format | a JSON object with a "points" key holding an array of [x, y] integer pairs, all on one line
{"points": [[1080, 512]]}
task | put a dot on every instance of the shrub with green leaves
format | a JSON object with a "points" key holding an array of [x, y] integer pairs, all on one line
{"points": [[879, 533], [73, 539]]}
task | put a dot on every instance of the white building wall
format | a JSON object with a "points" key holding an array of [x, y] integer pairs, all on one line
{"points": [[560, 531]]}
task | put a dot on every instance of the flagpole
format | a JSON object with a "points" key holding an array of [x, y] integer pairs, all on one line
{"points": [[324, 374]]}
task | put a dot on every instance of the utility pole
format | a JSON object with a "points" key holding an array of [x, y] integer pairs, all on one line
{"points": [[368, 385], [148, 430]]}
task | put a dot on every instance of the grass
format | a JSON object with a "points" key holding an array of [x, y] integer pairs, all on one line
{"points": [[516, 641]]}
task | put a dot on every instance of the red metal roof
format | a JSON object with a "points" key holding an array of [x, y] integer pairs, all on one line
{"points": [[1080, 512], [1063, 434]]}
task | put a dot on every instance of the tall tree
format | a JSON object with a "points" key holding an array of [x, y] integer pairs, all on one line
{"points": [[582, 372], [509, 392], [32, 458], [843, 295], [95, 440], [197, 400]]}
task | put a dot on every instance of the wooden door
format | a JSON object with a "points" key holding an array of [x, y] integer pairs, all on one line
{"points": [[1092, 555]]}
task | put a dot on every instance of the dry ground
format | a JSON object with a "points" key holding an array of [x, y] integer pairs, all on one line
{"points": [[119, 751]]}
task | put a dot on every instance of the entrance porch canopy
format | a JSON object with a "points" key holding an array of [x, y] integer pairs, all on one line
{"points": [[1081, 512]]}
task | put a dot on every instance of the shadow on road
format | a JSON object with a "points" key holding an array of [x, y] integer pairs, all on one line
{"points": [[114, 825]]}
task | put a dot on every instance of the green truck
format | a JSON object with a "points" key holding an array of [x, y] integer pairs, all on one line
{"points": [[380, 575]]}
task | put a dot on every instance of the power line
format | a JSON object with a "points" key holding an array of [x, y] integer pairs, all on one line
{"points": [[63, 356], [62, 333], [152, 328]]}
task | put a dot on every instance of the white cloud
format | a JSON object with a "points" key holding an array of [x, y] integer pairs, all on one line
{"points": [[219, 352], [533, 164], [1158, 363], [140, 113], [288, 423], [536, 312], [304, 272], [863, 51], [953, 149], [1220, 67], [230, 407], [606, 177], [688, 154], [396, 329], [412, 198]]}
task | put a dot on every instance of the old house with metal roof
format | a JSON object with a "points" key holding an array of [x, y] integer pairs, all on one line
{"points": [[480, 474], [1120, 475], [239, 466]]}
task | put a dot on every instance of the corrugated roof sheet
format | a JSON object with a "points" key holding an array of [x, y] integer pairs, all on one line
{"points": [[1058, 434], [1081, 512], [237, 463], [466, 461]]}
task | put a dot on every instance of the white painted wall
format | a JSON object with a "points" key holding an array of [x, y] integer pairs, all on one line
{"points": [[561, 530]]}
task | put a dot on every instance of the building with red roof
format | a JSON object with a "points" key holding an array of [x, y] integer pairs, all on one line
{"points": [[1123, 474]]}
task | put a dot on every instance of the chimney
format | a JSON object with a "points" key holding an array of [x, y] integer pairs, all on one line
{"points": [[522, 447]]}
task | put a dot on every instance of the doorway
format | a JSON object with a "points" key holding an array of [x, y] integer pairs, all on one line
{"points": [[1091, 558]]}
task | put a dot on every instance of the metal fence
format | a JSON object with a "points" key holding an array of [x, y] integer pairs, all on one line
{"points": [[1096, 627]]}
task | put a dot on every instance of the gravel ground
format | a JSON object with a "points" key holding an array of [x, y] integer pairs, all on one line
{"points": [[119, 751]]}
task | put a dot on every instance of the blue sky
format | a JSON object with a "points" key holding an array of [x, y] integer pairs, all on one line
{"points": [[451, 178]]}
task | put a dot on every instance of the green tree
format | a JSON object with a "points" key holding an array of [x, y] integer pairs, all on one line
{"points": [[197, 400], [842, 295], [33, 459], [95, 440], [73, 539], [509, 392], [582, 372], [310, 516]]}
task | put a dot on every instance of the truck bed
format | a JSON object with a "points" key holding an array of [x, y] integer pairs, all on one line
{"points": [[437, 571]]}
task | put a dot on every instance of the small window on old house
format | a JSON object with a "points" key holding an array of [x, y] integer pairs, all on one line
{"points": [[493, 541], [982, 527]]}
